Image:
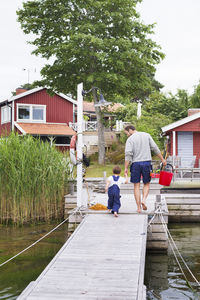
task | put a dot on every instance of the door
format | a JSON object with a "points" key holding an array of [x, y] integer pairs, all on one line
{"points": [[185, 148]]}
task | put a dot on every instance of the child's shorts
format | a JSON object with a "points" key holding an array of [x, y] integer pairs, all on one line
{"points": [[138, 169]]}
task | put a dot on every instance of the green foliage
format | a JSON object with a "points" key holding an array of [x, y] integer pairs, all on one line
{"points": [[152, 124], [126, 113], [150, 121], [27, 86], [32, 180], [116, 155], [173, 106], [101, 43], [114, 146], [195, 98]]}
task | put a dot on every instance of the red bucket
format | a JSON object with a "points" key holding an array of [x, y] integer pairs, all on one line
{"points": [[166, 176]]}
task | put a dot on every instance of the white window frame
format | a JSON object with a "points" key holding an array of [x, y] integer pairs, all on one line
{"points": [[31, 106], [5, 110]]}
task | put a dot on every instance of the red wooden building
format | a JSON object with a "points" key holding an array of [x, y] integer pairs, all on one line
{"points": [[184, 138], [37, 113]]}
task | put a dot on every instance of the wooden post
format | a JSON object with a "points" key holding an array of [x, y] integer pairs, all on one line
{"points": [[158, 202], [79, 144], [174, 147], [104, 176]]}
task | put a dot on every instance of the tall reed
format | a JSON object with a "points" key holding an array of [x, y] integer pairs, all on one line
{"points": [[32, 180]]}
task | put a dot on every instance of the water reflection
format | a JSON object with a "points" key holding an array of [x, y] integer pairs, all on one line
{"points": [[163, 277]]}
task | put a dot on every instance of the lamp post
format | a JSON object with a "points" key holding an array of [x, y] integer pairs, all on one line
{"points": [[102, 101], [79, 146]]}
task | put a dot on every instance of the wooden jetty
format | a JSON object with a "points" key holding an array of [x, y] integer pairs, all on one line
{"points": [[103, 259], [157, 240], [183, 207]]}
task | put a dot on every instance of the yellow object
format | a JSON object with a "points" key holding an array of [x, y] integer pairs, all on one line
{"points": [[98, 206]]}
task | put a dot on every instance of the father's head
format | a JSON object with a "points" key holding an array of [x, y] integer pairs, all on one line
{"points": [[129, 130]]}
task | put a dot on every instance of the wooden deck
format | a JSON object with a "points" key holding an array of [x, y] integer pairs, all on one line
{"points": [[103, 259]]}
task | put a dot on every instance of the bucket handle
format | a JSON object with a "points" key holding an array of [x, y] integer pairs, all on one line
{"points": [[163, 167]]}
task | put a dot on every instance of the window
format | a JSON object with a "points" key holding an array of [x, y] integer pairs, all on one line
{"points": [[38, 113], [5, 114], [24, 113], [62, 140], [31, 113]]}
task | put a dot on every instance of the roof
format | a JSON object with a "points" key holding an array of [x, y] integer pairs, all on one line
{"points": [[35, 90], [114, 107], [50, 129], [89, 107], [180, 122]]}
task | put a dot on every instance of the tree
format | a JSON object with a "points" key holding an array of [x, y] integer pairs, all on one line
{"points": [[195, 97], [101, 43], [151, 123], [27, 86], [173, 106]]}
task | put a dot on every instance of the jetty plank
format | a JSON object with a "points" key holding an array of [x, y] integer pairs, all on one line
{"points": [[103, 259]]}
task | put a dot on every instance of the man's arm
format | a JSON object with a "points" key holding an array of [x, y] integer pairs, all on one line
{"points": [[126, 167], [156, 150], [164, 162], [128, 155]]}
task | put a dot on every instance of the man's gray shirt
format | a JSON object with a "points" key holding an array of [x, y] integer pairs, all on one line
{"points": [[139, 146]]}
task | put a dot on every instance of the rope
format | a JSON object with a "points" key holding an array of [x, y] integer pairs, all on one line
{"points": [[155, 213], [169, 234], [158, 297], [172, 244], [75, 210], [176, 258], [149, 223]]}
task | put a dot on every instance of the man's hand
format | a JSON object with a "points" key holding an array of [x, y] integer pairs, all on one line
{"points": [[126, 172], [126, 165], [164, 162]]}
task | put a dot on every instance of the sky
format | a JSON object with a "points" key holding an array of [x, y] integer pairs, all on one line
{"points": [[177, 31]]}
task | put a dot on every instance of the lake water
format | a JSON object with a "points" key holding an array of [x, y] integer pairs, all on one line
{"points": [[162, 276], [16, 274]]}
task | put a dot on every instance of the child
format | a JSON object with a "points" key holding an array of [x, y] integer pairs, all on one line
{"points": [[113, 188]]}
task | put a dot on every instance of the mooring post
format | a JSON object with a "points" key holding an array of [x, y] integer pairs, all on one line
{"points": [[104, 177], [158, 203]]}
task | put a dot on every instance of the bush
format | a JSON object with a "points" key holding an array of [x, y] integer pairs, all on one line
{"points": [[117, 156]]}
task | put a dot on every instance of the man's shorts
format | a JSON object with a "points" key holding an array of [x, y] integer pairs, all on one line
{"points": [[138, 169]]}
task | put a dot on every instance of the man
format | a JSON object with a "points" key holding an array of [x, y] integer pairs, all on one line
{"points": [[138, 153]]}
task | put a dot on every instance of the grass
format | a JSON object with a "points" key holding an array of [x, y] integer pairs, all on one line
{"points": [[96, 170]]}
